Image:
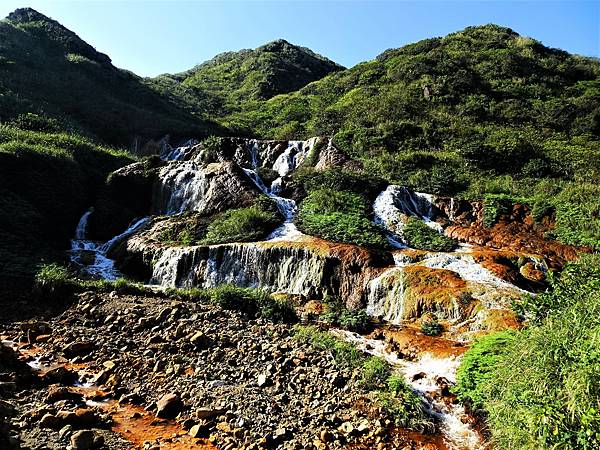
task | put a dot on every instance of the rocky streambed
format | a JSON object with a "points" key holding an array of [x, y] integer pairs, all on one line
{"points": [[115, 371]]}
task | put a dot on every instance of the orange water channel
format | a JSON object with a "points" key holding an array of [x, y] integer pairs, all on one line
{"points": [[132, 423]]}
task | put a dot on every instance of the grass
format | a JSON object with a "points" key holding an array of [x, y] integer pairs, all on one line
{"points": [[540, 387], [47, 180], [243, 224], [338, 315], [339, 216]]}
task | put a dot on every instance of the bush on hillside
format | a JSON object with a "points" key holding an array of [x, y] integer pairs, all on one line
{"points": [[244, 224], [338, 216], [418, 235], [541, 387]]}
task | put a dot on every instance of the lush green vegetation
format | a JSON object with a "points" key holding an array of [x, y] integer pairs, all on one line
{"points": [[244, 224], [48, 70], [231, 81], [540, 387], [47, 180], [418, 235], [478, 112], [477, 367], [339, 216], [337, 179], [432, 327], [395, 396], [56, 282], [338, 315], [248, 224]]}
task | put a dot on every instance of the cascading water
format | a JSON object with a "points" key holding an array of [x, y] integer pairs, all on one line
{"points": [[395, 203], [177, 153], [295, 153], [90, 256], [426, 376]]}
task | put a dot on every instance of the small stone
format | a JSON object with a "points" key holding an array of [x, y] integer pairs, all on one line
{"points": [[262, 380], [65, 431], [326, 436], [78, 349], [209, 413], [346, 428]]}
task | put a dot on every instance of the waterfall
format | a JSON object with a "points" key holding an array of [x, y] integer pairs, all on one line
{"points": [[91, 256], [178, 153], [82, 225], [385, 296], [183, 186], [423, 376], [295, 153], [395, 203], [294, 270]]}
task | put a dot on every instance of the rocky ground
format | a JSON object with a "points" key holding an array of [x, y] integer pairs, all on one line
{"points": [[117, 371]]}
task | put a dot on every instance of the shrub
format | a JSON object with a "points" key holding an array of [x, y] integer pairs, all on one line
{"points": [[346, 355], [242, 225], [338, 315], [432, 328], [52, 276], [339, 216], [405, 408], [477, 367], [542, 390], [338, 179], [418, 235], [495, 206], [375, 373], [253, 302]]}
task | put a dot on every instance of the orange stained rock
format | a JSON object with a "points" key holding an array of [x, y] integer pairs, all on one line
{"points": [[133, 423], [410, 337]]}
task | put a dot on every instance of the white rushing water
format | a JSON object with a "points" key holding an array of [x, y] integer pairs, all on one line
{"points": [[395, 203], [295, 153], [177, 153], [91, 256], [426, 376]]}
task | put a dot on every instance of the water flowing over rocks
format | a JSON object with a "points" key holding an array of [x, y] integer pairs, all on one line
{"points": [[395, 204], [190, 186]]}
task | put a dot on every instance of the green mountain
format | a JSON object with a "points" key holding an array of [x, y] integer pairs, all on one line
{"points": [[231, 81], [48, 70], [480, 112]]}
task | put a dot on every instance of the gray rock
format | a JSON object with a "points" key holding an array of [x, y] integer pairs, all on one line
{"points": [[83, 440], [169, 406]]}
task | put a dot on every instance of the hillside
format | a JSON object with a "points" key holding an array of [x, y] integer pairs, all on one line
{"points": [[231, 81], [481, 111], [48, 70]]}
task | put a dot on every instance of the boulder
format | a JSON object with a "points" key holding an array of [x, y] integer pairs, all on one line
{"points": [[169, 406]]}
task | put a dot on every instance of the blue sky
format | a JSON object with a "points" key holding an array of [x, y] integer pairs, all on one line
{"points": [[153, 37]]}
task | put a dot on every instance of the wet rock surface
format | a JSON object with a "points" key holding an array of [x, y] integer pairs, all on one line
{"points": [[216, 375]]}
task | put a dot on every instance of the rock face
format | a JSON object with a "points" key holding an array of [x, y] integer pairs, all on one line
{"points": [[190, 186], [126, 196], [309, 267]]}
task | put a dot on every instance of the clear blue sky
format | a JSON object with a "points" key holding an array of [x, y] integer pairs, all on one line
{"points": [[153, 37]]}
